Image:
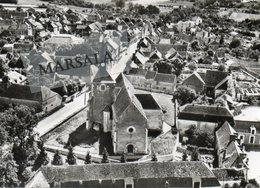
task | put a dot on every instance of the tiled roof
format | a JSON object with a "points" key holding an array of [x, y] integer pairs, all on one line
{"points": [[103, 76], [192, 77], [168, 78], [223, 135], [232, 154], [137, 71], [213, 78], [206, 113], [126, 97], [125, 170], [150, 75], [26, 92]]}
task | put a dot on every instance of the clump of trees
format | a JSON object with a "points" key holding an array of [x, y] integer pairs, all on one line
{"points": [[199, 138], [184, 95], [140, 9], [120, 3], [16, 133]]}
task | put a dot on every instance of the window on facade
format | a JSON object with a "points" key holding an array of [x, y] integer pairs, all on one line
{"points": [[102, 87], [252, 130], [241, 137], [251, 140], [130, 130]]}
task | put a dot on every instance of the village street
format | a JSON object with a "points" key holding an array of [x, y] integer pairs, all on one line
{"points": [[55, 119]]}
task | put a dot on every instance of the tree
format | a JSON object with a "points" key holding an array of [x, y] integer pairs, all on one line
{"points": [[151, 9], [154, 158], [120, 3], [163, 67], [57, 159], [234, 43], [184, 156], [195, 154], [192, 66], [184, 95], [42, 158], [123, 158], [178, 66], [8, 170], [222, 68], [19, 122], [88, 158], [71, 159], [105, 156]]}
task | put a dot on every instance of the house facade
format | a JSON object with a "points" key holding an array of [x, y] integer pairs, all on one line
{"points": [[204, 117], [192, 174]]}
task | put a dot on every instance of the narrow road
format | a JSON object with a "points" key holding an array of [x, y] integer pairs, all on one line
{"points": [[52, 121]]}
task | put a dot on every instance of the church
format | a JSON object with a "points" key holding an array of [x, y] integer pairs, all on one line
{"points": [[129, 117]]}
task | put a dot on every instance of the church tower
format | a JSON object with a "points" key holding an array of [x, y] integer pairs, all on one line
{"points": [[101, 99]]}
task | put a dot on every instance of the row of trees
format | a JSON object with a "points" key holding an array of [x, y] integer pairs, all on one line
{"points": [[72, 159]]}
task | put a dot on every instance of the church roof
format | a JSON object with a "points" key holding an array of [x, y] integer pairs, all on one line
{"points": [[103, 76]]}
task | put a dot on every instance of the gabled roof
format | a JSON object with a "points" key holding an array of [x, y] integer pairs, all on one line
{"points": [[110, 171], [223, 135], [141, 58], [155, 55], [213, 78], [232, 154], [126, 97], [26, 92], [194, 76]]}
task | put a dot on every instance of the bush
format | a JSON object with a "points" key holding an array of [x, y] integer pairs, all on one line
{"points": [[184, 95], [234, 43]]}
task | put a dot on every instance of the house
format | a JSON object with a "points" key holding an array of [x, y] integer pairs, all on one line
{"points": [[42, 98], [127, 116], [247, 125], [16, 78], [195, 82], [193, 174], [165, 83], [204, 117], [152, 80], [198, 20], [216, 82], [230, 153]]}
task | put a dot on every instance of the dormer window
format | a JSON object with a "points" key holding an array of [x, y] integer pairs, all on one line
{"points": [[252, 130]]}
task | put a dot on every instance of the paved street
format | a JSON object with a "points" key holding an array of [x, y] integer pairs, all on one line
{"points": [[62, 114]]}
